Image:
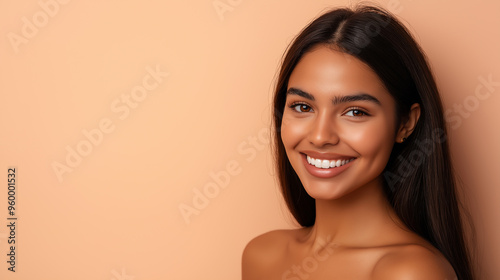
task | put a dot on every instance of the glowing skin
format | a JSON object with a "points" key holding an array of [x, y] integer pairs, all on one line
{"points": [[338, 109], [363, 129]]}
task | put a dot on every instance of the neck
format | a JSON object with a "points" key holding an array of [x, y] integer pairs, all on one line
{"points": [[361, 218]]}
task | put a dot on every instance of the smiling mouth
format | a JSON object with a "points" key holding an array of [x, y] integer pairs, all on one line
{"points": [[326, 164]]}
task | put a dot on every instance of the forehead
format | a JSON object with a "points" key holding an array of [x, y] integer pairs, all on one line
{"points": [[326, 71]]}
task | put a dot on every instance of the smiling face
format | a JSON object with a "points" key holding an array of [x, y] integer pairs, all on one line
{"points": [[338, 126]]}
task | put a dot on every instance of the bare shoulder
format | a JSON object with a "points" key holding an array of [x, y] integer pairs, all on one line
{"points": [[413, 262], [263, 251], [268, 244]]}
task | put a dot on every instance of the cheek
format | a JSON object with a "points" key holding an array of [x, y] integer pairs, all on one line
{"points": [[291, 131], [373, 141]]}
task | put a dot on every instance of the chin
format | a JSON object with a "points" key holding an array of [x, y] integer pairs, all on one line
{"points": [[327, 190]]}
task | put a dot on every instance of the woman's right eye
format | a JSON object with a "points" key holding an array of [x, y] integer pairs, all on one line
{"points": [[301, 107]]}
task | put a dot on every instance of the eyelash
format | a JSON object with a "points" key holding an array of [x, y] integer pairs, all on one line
{"points": [[295, 104]]}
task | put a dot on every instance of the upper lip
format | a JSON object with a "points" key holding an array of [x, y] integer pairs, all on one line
{"points": [[327, 156]]}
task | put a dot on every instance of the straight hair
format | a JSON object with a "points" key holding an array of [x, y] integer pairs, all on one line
{"points": [[419, 181]]}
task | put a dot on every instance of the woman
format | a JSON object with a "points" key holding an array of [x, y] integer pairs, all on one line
{"points": [[362, 159]]}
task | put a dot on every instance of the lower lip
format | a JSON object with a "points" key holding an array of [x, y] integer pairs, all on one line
{"points": [[325, 172]]}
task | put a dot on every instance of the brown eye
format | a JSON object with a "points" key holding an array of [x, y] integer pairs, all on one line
{"points": [[356, 113], [301, 108]]}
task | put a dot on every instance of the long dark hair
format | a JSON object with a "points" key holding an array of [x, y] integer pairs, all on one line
{"points": [[418, 179]]}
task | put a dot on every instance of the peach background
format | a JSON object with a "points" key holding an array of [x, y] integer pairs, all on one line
{"points": [[117, 213]]}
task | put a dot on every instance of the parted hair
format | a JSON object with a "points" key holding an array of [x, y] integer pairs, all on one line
{"points": [[418, 180]]}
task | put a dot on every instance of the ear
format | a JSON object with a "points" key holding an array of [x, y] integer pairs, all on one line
{"points": [[408, 124]]}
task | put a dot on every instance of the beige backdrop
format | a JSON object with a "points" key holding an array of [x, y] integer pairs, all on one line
{"points": [[139, 130]]}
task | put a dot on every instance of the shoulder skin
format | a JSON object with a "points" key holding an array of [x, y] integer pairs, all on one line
{"points": [[262, 252], [413, 262]]}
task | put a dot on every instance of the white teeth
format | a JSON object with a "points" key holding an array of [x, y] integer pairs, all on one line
{"points": [[327, 163]]}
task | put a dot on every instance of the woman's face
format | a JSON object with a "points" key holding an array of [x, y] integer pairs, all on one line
{"points": [[338, 126]]}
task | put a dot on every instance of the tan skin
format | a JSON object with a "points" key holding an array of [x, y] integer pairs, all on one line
{"points": [[356, 234]]}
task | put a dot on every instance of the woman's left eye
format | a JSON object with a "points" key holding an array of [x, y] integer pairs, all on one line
{"points": [[356, 113]]}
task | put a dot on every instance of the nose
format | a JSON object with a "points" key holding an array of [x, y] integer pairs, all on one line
{"points": [[323, 131]]}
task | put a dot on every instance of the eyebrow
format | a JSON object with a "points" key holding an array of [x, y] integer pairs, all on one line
{"points": [[338, 99]]}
